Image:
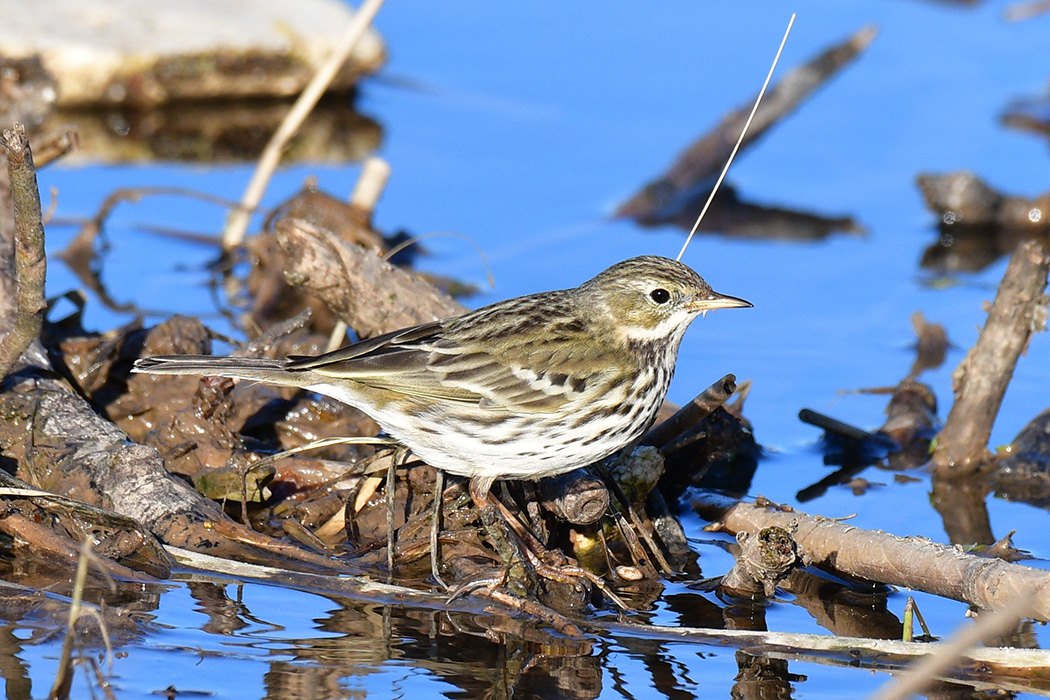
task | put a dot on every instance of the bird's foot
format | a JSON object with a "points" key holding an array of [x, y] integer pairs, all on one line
{"points": [[570, 574], [501, 524], [515, 544], [494, 587]]}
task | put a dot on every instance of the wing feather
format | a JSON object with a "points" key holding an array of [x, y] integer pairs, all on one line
{"points": [[452, 362]]}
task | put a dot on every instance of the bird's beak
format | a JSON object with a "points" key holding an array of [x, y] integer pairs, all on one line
{"points": [[714, 300]]}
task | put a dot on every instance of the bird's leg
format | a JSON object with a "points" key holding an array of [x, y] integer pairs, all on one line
{"points": [[398, 458], [496, 522], [435, 528]]}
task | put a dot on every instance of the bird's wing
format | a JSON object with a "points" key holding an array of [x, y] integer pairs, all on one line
{"points": [[424, 363]]}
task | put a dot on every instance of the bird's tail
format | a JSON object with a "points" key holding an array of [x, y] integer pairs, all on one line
{"points": [[258, 368]]}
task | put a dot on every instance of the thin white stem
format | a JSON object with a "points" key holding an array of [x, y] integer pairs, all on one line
{"points": [[743, 132]]}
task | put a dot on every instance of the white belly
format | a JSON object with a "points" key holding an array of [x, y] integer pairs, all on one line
{"points": [[513, 446]]}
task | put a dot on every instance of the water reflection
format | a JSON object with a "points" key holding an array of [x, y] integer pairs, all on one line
{"points": [[481, 657], [219, 132], [35, 610]]}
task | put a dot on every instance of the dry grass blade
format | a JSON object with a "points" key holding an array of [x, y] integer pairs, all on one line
{"points": [[947, 655], [64, 676]]}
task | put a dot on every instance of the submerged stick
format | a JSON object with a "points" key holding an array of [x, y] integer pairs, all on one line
{"points": [[740, 140], [371, 295]]}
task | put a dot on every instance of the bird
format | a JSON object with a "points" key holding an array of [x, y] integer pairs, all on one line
{"points": [[525, 388]]}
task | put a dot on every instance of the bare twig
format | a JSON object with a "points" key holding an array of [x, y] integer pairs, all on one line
{"points": [[910, 562], [55, 145], [692, 413], [373, 296], [375, 172], [271, 156]]}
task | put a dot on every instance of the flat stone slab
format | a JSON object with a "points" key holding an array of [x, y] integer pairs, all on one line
{"points": [[150, 52]]}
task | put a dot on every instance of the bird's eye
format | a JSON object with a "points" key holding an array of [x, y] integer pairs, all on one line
{"points": [[660, 295]]}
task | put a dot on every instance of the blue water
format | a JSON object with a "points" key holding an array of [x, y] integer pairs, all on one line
{"points": [[522, 126]]}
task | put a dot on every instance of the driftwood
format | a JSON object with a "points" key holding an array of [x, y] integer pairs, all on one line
{"points": [[82, 456], [910, 562], [348, 40], [312, 257], [980, 380], [42, 522], [30, 263], [577, 497], [64, 446], [765, 559], [55, 145], [687, 417], [994, 669], [901, 443], [1019, 669], [978, 225]]}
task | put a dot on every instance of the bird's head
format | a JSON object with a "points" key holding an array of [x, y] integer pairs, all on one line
{"points": [[651, 297]]}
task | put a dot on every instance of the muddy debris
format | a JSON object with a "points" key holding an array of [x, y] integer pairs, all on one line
{"points": [[903, 441]]}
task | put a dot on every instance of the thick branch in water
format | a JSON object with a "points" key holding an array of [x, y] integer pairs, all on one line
{"points": [[910, 562]]}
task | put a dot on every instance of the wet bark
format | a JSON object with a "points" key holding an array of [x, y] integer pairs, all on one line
{"points": [[765, 559], [23, 319], [371, 295], [577, 497], [74, 452], [910, 562], [688, 416]]}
